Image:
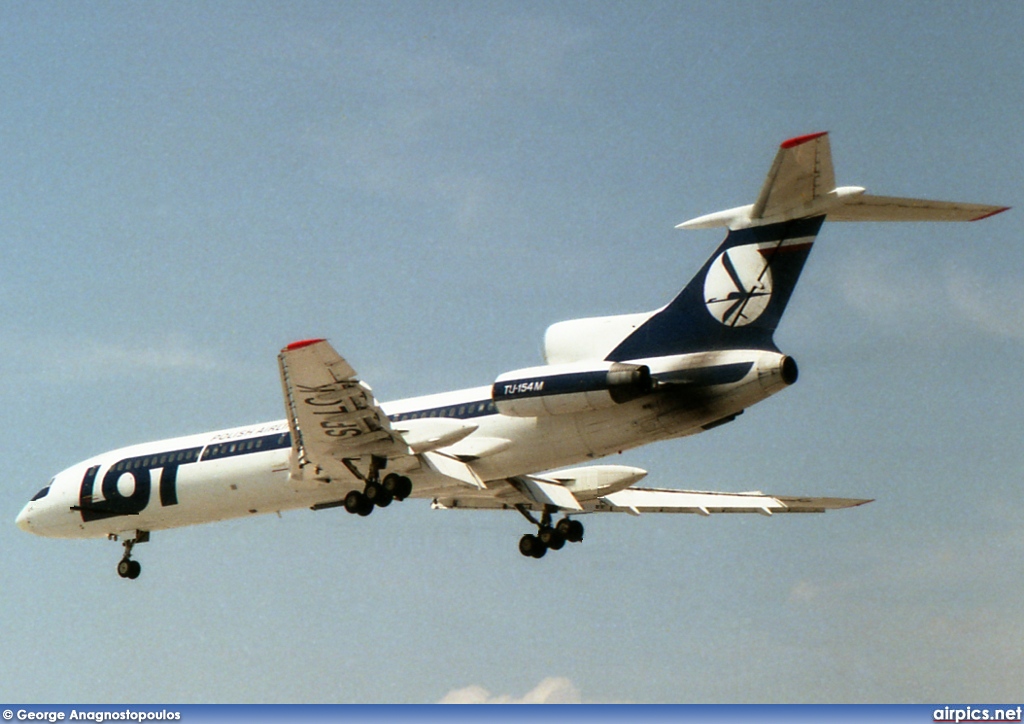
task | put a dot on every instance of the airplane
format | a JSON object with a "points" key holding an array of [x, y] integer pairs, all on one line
{"points": [[609, 384]]}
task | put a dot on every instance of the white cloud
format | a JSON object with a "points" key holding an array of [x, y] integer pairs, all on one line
{"points": [[995, 306], [902, 296], [804, 592], [552, 690]]}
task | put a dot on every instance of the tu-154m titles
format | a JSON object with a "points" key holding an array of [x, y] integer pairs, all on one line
{"points": [[610, 383]]}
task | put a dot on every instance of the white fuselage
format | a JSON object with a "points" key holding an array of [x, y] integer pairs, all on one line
{"points": [[249, 470]]}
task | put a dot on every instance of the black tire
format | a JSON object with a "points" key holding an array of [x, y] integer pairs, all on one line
{"points": [[365, 506], [373, 492], [404, 489], [563, 526], [384, 499], [552, 538], [124, 567], [135, 568], [575, 532], [391, 483], [528, 544], [353, 501]]}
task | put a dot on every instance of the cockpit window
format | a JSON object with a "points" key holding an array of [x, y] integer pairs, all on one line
{"points": [[42, 493]]}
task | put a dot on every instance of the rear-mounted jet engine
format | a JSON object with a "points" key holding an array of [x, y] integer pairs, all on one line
{"points": [[565, 389]]}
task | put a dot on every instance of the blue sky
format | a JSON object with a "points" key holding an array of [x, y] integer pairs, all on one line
{"points": [[187, 187]]}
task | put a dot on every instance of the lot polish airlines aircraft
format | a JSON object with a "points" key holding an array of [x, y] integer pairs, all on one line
{"points": [[610, 384]]}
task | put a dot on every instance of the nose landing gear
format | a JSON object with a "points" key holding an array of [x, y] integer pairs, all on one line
{"points": [[126, 567]]}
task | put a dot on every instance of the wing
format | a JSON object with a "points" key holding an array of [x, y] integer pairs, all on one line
{"points": [[340, 432], [641, 500], [661, 500], [333, 417], [609, 489]]}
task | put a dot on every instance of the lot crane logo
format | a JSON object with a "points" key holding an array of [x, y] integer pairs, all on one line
{"points": [[738, 286]]}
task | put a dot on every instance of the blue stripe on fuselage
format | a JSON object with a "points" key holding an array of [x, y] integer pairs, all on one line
{"points": [[699, 376]]}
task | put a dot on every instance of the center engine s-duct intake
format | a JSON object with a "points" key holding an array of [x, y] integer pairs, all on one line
{"points": [[565, 389]]}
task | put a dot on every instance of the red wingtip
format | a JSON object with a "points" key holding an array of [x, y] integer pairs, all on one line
{"points": [[794, 142], [302, 343], [992, 213]]}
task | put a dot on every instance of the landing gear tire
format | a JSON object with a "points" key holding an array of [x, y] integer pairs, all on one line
{"points": [[532, 547], [354, 501], [365, 506], [377, 495], [552, 538], [399, 486], [571, 529], [127, 568]]}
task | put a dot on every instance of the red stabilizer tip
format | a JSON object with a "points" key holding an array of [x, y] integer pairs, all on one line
{"points": [[992, 213], [303, 343], [794, 142]]}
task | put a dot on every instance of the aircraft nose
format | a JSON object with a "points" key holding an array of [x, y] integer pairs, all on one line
{"points": [[24, 520]]}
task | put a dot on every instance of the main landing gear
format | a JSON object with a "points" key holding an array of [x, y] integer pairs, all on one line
{"points": [[548, 536], [377, 493], [126, 567]]}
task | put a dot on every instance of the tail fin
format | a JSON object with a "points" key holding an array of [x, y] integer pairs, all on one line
{"points": [[735, 301], [737, 298]]}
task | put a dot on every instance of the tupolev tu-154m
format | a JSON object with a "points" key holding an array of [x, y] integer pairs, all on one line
{"points": [[609, 384]]}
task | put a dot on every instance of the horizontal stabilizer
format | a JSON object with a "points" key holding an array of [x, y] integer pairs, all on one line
{"points": [[891, 208], [801, 184]]}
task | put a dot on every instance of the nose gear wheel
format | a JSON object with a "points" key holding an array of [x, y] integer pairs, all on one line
{"points": [[126, 567]]}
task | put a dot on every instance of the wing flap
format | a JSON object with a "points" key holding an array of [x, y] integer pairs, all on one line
{"points": [[452, 469], [544, 493]]}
